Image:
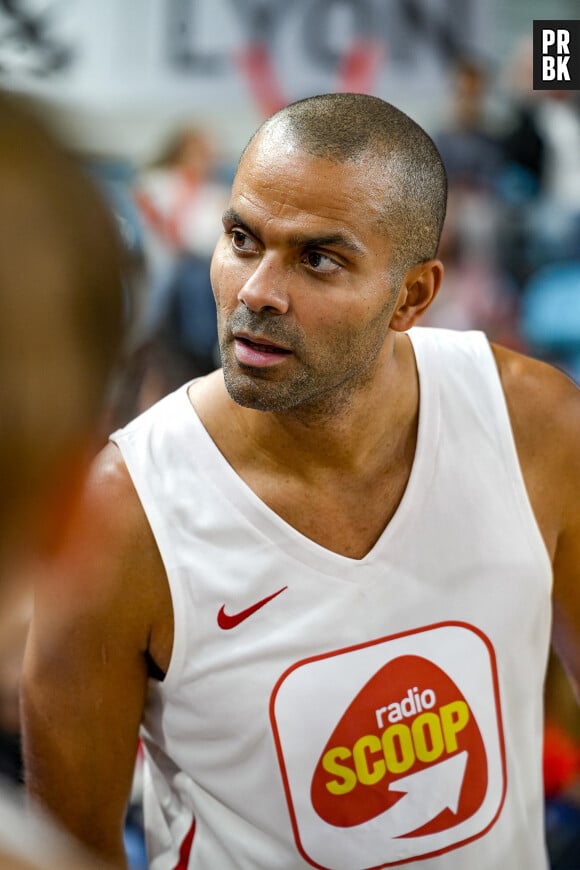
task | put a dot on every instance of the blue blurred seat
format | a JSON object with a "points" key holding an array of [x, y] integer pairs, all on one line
{"points": [[550, 315], [563, 834]]}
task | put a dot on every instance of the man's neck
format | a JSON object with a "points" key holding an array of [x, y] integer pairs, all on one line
{"points": [[369, 432]]}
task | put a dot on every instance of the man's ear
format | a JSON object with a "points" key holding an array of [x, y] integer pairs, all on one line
{"points": [[419, 288]]}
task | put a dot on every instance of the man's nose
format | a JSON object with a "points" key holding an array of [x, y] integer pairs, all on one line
{"points": [[265, 289]]}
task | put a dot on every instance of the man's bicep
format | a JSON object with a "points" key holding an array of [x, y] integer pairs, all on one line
{"points": [[85, 677], [81, 710], [544, 408], [566, 598]]}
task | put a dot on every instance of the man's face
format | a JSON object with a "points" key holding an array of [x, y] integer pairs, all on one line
{"points": [[301, 278]]}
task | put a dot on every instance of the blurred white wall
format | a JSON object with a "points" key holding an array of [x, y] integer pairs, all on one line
{"points": [[123, 72]]}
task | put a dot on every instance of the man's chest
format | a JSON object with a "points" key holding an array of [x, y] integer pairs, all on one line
{"points": [[342, 515]]}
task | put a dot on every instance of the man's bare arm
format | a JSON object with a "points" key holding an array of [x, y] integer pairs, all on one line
{"points": [[85, 672], [544, 408], [566, 597]]}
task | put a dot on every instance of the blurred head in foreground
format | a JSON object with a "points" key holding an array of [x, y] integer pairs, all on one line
{"points": [[61, 313]]}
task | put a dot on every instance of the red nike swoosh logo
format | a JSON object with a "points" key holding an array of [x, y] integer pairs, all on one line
{"points": [[230, 620]]}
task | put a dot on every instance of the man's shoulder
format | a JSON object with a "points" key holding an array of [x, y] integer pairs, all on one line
{"points": [[110, 553], [544, 408], [538, 393], [110, 495]]}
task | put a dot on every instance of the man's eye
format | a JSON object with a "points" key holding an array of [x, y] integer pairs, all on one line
{"points": [[320, 262], [243, 242]]}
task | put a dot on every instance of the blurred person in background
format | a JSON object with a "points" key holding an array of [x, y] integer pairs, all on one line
{"points": [[551, 279], [540, 183], [61, 328], [523, 142], [468, 141], [479, 293], [539, 230], [181, 199]]}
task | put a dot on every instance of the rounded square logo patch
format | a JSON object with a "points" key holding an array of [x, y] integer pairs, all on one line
{"points": [[392, 750]]}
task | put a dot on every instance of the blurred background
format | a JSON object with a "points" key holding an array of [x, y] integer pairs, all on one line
{"points": [[158, 97]]}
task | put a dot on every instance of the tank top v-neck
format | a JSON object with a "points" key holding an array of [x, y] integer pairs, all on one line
{"points": [[323, 711]]}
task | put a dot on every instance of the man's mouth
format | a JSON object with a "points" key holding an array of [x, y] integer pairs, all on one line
{"points": [[262, 345], [258, 352]]}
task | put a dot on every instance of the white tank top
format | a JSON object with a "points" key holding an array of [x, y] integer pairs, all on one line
{"points": [[323, 711]]}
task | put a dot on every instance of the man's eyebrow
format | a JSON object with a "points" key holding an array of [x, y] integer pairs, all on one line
{"points": [[230, 215], [334, 240]]}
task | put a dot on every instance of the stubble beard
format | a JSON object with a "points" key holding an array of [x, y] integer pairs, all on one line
{"points": [[256, 388], [313, 394]]}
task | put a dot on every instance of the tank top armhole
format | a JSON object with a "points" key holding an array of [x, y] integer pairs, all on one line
{"points": [[510, 456], [123, 441]]}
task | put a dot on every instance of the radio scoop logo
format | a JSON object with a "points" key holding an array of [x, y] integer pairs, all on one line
{"points": [[391, 750], [414, 751]]}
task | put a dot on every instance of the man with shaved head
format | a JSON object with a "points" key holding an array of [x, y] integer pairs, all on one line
{"points": [[326, 573]]}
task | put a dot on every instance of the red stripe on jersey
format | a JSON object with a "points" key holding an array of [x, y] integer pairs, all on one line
{"points": [[186, 849]]}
